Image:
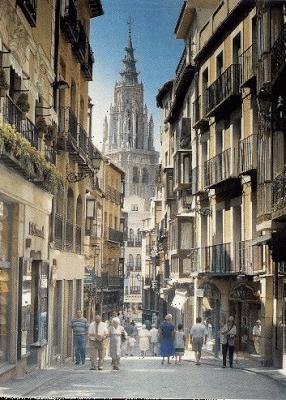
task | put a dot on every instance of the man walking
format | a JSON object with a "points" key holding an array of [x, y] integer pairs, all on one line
{"points": [[97, 333], [79, 326], [256, 333], [198, 334]]}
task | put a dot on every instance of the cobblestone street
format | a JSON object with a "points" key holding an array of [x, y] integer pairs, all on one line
{"points": [[146, 378]]}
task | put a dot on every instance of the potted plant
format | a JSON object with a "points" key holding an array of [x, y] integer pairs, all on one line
{"points": [[4, 86], [41, 126], [23, 104], [51, 134]]}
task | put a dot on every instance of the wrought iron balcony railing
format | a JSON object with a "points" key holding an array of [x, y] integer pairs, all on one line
{"points": [[80, 46], [248, 258], [13, 115], [87, 66], [264, 208], [29, 8], [218, 259], [248, 62], [279, 195], [50, 154], [223, 89], [220, 168], [113, 235], [248, 154], [69, 22], [278, 55]]}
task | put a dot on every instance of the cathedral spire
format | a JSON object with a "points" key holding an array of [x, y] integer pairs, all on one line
{"points": [[129, 73]]}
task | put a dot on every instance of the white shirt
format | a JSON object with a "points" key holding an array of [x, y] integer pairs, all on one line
{"points": [[199, 330], [256, 330], [102, 330], [154, 335]]}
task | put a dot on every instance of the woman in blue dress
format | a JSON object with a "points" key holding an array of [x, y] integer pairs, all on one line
{"points": [[167, 333]]}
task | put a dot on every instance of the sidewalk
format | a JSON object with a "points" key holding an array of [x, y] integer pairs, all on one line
{"points": [[242, 361]]}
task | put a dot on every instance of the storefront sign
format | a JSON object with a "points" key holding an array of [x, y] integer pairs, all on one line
{"points": [[34, 230]]}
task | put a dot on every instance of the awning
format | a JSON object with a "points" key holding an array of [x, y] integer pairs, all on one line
{"points": [[179, 300], [261, 239]]}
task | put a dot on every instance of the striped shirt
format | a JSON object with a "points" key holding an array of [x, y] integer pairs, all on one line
{"points": [[79, 326]]}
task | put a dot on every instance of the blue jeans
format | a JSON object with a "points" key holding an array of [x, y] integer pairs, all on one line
{"points": [[79, 348]]}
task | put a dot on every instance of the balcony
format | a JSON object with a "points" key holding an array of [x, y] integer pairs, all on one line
{"points": [[217, 259], [183, 133], [134, 243], [29, 8], [113, 195], [279, 197], [58, 231], [69, 22], [198, 180], [264, 202], [249, 259], [221, 168], [169, 183], [199, 111], [248, 62], [69, 236], [248, 155], [183, 170], [87, 66], [113, 235], [80, 46], [278, 58], [13, 115], [224, 94]]}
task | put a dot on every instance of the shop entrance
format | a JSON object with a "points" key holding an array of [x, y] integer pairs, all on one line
{"points": [[246, 309], [209, 310]]}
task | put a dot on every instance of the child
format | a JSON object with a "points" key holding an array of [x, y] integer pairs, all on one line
{"points": [[179, 344], [131, 343]]}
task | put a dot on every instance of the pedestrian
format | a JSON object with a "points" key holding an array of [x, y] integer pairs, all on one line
{"points": [[97, 333], [244, 333], [144, 340], [131, 345], [228, 334], [116, 332], [154, 340], [79, 327], [107, 340], [166, 337], [256, 333], [180, 339], [198, 334]]}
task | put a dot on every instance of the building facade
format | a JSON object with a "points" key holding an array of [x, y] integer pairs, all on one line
{"points": [[222, 137], [128, 141]]}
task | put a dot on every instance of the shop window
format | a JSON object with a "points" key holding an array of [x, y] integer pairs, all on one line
{"points": [[5, 243]]}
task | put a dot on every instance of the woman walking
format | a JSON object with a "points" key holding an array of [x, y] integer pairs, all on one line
{"points": [[167, 333], [228, 334], [116, 331], [144, 340]]}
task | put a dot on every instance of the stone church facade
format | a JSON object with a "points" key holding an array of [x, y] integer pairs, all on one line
{"points": [[128, 140]]}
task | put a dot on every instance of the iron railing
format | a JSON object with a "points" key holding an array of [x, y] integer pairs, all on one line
{"points": [[226, 85], [69, 22], [264, 201], [217, 258], [13, 115], [50, 154], [86, 67], [220, 168], [29, 8], [279, 193], [114, 235], [278, 54], [248, 258], [248, 154], [80, 46], [248, 62]]}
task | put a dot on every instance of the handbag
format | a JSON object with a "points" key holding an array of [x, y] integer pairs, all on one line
{"points": [[123, 337]]}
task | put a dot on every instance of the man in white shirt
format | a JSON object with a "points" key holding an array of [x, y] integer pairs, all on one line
{"points": [[198, 334], [154, 339], [97, 333]]}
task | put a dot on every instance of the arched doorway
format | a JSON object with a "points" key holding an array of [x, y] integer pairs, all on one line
{"points": [[245, 306], [209, 309]]}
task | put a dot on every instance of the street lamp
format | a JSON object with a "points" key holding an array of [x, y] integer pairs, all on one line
{"points": [[96, 160]]}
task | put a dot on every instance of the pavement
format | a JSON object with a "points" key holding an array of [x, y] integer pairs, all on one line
{"points": [[148, 378]]}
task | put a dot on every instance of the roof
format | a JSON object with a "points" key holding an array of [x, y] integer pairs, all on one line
{"points": [[163, 91], [96, 9]]}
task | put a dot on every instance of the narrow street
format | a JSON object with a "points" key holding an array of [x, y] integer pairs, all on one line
{"points": [[145, 378]]}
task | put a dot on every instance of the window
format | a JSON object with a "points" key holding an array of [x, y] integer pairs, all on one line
{"points": [[186, 235], [145, 176], [219, 64], [134, 207], [130, 261], [135, 175], [138, 261], [131, 234]]}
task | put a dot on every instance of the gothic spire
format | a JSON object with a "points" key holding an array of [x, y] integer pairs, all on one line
{"points": [[129, 73]]}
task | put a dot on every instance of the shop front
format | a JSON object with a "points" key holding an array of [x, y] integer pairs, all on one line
{"points": [[209, 309], [245, 306]]}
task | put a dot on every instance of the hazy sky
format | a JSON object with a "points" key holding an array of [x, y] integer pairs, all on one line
{"points": [[156, 49]]}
